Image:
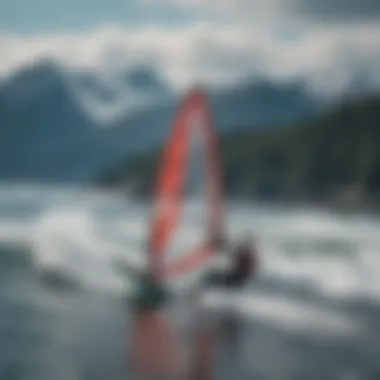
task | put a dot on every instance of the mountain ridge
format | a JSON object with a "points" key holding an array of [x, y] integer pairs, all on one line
{"points": [[47, 134]]}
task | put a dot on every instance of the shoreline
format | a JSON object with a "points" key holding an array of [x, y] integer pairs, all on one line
{"points": [[362, 207]]}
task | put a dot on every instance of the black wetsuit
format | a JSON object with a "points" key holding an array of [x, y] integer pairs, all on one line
{"points": [[237, 276]]}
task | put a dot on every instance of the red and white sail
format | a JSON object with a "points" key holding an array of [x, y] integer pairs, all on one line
{"points": [[192, 135]]}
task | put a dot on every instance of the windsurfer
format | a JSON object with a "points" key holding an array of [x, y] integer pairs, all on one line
{"points": [[244, 264]]}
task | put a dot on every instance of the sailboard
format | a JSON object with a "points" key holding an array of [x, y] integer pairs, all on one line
{"points": [[190, 169], [188, 187]]}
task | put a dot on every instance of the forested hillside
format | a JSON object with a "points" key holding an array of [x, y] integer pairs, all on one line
{"points": [[334, 157]]}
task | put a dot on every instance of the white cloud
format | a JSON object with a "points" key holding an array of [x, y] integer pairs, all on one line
{"points": [[207, 52]]}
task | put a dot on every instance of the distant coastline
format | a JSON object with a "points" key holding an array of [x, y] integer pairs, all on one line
{"points": [[331, 160]]}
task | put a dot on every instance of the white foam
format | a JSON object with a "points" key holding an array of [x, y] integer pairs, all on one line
{"points": [[280, 311], [64, 239], [84, 232], [336, 276], [352, 271]]}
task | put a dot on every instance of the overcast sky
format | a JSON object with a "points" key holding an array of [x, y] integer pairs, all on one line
{"points": [[326, 41]]}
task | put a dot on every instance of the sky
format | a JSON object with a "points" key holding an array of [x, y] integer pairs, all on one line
{"points": [[329, 42]]}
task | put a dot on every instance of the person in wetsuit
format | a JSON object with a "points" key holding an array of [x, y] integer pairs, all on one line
{"points": [[244, 267], [244, 263]]}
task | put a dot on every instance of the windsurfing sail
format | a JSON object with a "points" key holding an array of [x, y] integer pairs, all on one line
{"points": [[187, 214], [189, 182]]}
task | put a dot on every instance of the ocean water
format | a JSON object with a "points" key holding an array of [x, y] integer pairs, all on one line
{"points": [[313, 312]]}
